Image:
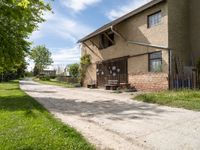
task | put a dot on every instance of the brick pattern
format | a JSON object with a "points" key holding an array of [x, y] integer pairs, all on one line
{"points": [[149, 81]]}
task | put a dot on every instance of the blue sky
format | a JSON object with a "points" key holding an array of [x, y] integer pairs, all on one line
{"points": [[72, 20]]}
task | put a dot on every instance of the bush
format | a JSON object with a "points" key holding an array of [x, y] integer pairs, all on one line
{"points": [[45, 78], [77, 85], [74, 70]]}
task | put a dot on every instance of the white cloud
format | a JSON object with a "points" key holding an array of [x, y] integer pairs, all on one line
{"points": [[63, 27], [78, 5], [122, 10], [66, 55]]}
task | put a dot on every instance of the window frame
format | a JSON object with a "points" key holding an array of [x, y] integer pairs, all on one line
{"points": [[148, 22], [151, 59]]}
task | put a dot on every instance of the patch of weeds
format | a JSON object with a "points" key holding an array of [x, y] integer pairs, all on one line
{"points": [[188, 99]]}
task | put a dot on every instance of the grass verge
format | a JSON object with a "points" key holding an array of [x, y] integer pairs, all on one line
{"points": [[187, 99], [55, 82], [26, 125]]}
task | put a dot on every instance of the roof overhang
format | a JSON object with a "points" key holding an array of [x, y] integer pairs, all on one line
{"points": [[121, 19]]}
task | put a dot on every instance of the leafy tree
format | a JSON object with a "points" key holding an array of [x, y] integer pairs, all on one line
{"points": [[41, 57], [18, 19], [74, 70]]}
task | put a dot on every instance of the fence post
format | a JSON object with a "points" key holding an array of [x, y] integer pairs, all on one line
{"points": [[195, 78]]}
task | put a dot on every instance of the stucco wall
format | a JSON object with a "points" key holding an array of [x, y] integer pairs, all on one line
{"points": [[195, 29], [134, 29]]}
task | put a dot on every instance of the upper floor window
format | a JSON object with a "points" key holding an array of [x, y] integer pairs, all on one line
{"points": [[107, 40], [154, 19], [155, 62]]}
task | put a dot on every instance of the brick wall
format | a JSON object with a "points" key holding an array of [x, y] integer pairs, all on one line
{"points": [[149, 81]]}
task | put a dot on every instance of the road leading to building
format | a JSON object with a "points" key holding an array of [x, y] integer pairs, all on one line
{"points": [[114, 121]]}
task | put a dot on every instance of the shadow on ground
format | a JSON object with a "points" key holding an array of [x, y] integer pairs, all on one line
{"points": [[19, 103], [112, 109]]}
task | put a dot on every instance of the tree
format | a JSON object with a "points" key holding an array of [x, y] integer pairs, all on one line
{"points": [[18, 19], [41, 57], [74, 70]]}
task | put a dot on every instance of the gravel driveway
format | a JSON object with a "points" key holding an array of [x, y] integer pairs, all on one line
{"points": [[114, 121]]}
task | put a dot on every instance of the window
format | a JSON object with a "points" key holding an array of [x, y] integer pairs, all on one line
{"points": [[155, 62], [154, 19], [107, 40]]}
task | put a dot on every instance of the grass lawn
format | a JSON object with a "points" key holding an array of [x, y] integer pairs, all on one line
{"points": [[55, 82], [187, 99], [26, 125]]}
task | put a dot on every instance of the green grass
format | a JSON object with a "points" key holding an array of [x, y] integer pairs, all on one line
{"points": [[26, 125], [187, 99], [55, 82]]}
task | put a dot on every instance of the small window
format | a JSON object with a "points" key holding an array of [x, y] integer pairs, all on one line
{"points": [[154, 19], [155, 62], [107, 40]]}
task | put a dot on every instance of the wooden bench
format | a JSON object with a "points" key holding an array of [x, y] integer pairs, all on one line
{"points": [[112, 85]]}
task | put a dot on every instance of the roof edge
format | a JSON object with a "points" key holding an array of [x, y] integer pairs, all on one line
{"points": [[121, 19]]}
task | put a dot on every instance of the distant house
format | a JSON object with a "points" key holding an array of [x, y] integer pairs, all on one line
{"points": [[150, 47]]}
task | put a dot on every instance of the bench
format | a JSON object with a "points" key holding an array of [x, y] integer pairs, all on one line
{"points": [[112, 85]]}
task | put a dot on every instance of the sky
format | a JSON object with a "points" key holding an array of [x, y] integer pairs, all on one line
{"points": [[73, 19]]}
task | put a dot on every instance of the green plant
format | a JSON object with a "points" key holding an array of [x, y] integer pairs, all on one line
{"points": [[85, 62], [45, 78], [74, 70]]}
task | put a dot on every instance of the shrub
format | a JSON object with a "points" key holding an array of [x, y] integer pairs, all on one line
{"points": [[45, 78], [74, 70], [84, 64], [77, 85]]}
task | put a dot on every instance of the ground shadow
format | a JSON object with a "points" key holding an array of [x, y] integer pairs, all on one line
{"points": [[20, 103], [112, 109]]}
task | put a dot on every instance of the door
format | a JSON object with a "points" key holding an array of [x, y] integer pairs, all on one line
{"points": [[112, 70]]}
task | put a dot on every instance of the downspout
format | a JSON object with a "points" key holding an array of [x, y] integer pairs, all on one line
{"points": [[170, 69]]}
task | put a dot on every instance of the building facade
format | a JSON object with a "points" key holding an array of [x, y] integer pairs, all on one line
{"points": [[143, 48]]}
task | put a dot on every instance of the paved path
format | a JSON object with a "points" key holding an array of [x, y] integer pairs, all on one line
{"points": [[114, 121]]}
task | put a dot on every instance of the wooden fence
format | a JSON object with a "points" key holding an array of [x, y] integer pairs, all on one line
{"points": [[183, 81], [67, 79]]}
